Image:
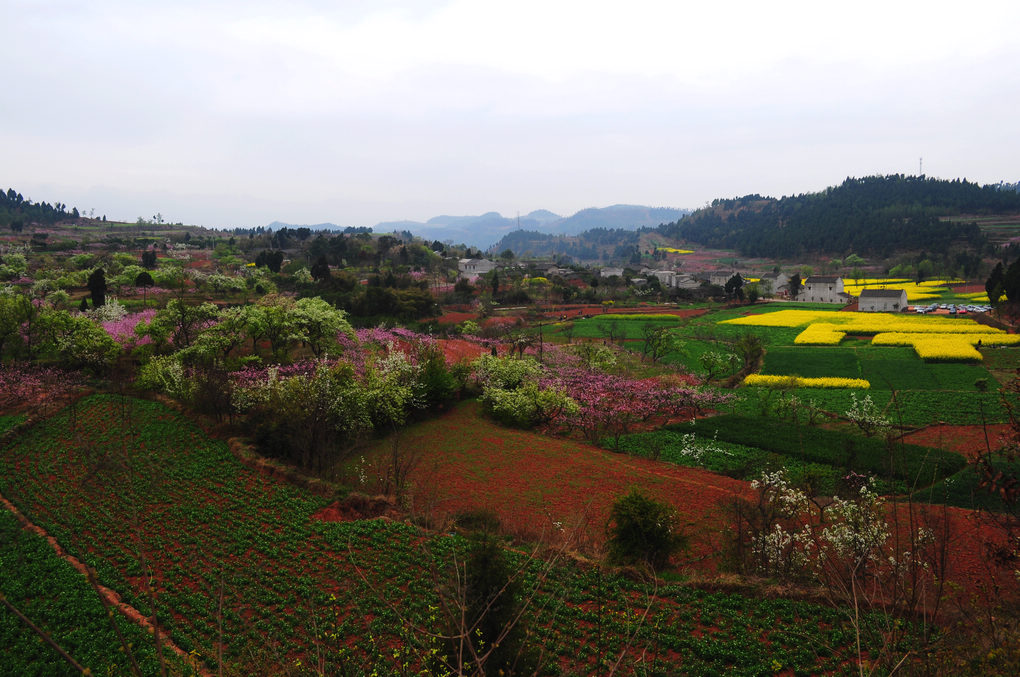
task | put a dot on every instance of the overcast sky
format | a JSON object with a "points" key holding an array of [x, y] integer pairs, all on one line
{"points": [[355, 112]]}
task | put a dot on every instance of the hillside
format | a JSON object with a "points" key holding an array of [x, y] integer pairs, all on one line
{"points": [[876, 215]]}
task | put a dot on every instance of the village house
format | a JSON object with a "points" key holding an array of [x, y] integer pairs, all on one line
{"points": [[721, 277], [609, 272], [667, 278], [819, 289], [553, 271], [469, 268], [773, 284], [882, 300]]}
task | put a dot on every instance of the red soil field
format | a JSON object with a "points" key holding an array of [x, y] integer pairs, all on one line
{"points": [[450, 317], [459, 350], [968, 440], [543, 486], [546, 487]]}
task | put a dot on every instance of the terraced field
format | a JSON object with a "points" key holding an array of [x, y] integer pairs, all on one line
{"points": [[242, 575]]}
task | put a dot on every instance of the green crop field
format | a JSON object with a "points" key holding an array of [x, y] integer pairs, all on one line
{"points": [[62, 603], [9, 422], [744, 446], [812, 361], [238, 564], [736, 460]]}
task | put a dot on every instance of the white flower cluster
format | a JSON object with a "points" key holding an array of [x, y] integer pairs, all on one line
{"points": [[859, 530], [111, 311], [865, 415], [690, 447]]}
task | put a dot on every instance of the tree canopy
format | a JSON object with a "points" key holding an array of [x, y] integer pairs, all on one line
{"points": [[873, 215]]}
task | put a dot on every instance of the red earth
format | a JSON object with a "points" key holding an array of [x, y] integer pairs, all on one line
{"points": [[968, 440], [543, 487], [460, 350], [451, 317]]}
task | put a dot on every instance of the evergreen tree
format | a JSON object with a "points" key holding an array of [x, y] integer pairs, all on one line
{"points": [[1011, 282], [643, 531], [794, 285], [320, 269], [97, 287], [493, 608], [735, 286], [994, 284]]}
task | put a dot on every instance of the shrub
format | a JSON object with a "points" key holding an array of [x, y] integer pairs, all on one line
{"points": [[643, 531]]}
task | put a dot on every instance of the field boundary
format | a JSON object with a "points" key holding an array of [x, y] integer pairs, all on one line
{"points": [[111, 598]]}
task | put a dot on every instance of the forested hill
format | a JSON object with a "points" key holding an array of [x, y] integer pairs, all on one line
{"points": [[875, 215], [16, 212], [617, 243]]}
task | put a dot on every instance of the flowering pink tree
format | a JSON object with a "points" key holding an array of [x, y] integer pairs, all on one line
{"points": [[34, 386], [123, 330], [611, 406]]}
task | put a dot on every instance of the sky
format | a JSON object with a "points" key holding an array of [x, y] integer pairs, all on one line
{"points": [[355, 112]]}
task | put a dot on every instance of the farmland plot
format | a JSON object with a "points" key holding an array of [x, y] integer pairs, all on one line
{"points": [[242, 575]]}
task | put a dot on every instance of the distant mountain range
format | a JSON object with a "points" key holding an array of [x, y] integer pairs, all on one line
{"points": [[485, 230]]}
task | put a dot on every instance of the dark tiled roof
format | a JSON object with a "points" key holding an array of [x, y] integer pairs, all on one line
{"points": [[882, 293]]}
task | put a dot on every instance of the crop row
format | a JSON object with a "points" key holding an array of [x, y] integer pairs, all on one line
{"points": [[146, 498], [59, 600], [837, 448]]}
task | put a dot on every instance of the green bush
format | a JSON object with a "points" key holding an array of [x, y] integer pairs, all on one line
{"points": [[643, 531]]}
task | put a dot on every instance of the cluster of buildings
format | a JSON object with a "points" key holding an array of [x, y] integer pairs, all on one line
{"points": [[814, 289], [826, 289], [472, 268]]}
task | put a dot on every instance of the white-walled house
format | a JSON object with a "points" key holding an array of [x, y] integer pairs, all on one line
{"points": [[475, 267], [609, 272], [721, 277], [772, 284], [882, 300], [667, 278], [819, 289]]}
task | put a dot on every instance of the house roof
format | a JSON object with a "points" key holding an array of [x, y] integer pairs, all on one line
{"points": [[814, 279], [882, 293], [771, 276]]}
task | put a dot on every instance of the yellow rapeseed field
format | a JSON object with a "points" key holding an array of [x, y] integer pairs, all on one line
{"points": [[820, 334], [865, 323], [915, 292], [773, 381], [931, 337]]}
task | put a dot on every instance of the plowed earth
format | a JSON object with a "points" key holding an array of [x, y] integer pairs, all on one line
{"points": [[540, 486]]}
